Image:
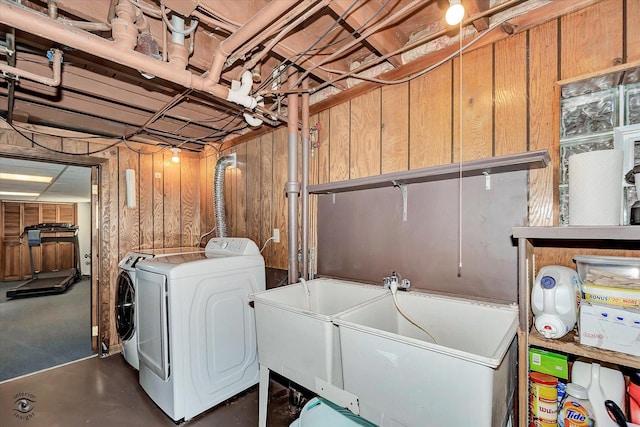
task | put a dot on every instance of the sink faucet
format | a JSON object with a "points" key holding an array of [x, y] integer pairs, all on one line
{"points": [[396, 280]]}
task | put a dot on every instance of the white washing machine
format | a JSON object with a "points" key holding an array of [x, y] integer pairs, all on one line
{"points": [[125, 297], [196, 330]]}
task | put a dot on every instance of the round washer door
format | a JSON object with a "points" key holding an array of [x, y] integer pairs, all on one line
{"points": [[125, 306]]}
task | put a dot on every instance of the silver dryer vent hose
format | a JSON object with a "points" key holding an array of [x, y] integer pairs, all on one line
{"points": [[218, 194]]}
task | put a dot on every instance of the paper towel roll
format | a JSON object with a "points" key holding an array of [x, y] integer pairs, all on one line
{"points": [[595, 188]]}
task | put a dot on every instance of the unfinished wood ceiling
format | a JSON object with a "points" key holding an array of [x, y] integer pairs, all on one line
{"points": [[161, 70]]}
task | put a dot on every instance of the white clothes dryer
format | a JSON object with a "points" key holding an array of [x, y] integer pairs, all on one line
{"points": [[196, 329], [125, 297]]}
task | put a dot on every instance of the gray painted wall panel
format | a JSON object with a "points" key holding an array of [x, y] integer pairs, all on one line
{"points": [[362, 236]]}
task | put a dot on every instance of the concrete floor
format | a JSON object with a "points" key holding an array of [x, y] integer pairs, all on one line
{"points": [[105, 392]]}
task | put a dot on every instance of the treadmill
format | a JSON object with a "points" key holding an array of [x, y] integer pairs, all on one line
{"points": [[49, 282]]}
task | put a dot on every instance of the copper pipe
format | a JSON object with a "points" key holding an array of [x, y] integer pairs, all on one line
{"points": [[256, 24], [54, 81], [28, 20]]}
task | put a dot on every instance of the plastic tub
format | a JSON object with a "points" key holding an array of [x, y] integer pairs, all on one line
{"points": [[608, 270], [295, 335], [402, 378]]}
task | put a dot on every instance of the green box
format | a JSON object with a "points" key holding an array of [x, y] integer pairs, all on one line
{"points": [[548, 363]]}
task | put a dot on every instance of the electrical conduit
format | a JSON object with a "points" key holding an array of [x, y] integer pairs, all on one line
{"points": [[305, 179], [292, 187]]}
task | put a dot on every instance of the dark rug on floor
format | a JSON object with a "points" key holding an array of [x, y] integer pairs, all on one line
{"points": [[44, 331]]}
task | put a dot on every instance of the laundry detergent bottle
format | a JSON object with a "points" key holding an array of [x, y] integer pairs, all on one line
{"points": [[602, 384], [575, 410], [554, 300]]}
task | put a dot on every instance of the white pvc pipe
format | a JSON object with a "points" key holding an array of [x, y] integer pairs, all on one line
{"points": [[177, 23]]}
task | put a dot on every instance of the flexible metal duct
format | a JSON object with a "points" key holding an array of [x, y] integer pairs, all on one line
{"points": [[218, 193]]}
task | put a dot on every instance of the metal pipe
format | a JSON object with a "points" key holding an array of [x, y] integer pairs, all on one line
{"points": [[33, 22], [305, 180], [85, 25], [49, 81], [52, 9], [254, 26], [11, 60], [292, 187], [164, 37]]}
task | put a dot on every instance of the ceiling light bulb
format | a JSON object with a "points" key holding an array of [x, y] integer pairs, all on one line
{"points": [[175, 158], [455, 13]]}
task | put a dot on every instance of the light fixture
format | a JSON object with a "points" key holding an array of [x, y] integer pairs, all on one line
{"points": [[28, 178], [455, 13], [175, 158], [18, 193]]}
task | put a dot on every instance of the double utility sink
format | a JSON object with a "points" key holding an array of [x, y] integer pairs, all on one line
{"points": [[339, 338]]}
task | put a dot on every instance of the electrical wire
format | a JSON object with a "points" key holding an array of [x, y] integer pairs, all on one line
{"points": [[354, 32], [460, 156], [290, 62], [265, 243], [33, 141], [352, 73], [394, 289]]}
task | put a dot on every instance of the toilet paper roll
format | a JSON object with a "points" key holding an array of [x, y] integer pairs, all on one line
{"points": [[595, 188]]}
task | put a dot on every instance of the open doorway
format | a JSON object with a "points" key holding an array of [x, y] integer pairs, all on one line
{"points": [[45, 329]]}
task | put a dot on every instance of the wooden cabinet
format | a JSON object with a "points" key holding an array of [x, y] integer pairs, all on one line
{"points": [[14, 216], [536, 247]]}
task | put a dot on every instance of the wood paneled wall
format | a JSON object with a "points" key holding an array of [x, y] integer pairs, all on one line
{"points": [[16, 261], [508, 106], [167, 213]]}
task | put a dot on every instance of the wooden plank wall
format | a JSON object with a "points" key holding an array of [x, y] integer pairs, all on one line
{"points": [[508, 106], [168, 204], [16, 264]]}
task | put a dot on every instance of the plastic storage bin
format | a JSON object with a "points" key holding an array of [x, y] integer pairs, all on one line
{"points": [[319, 412], [402, 378], [609, 271]]}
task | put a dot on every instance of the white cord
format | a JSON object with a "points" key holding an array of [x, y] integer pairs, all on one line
{"points": [[460, 157], [394, 289], [265, 244]]}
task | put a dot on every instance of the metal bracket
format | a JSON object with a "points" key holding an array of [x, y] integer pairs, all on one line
{"points": [[338, 396], [403, 189], [487, 180]]}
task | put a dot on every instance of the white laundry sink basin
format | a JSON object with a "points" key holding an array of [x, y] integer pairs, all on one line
{"points": [[403, 378], [296, 337]]}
